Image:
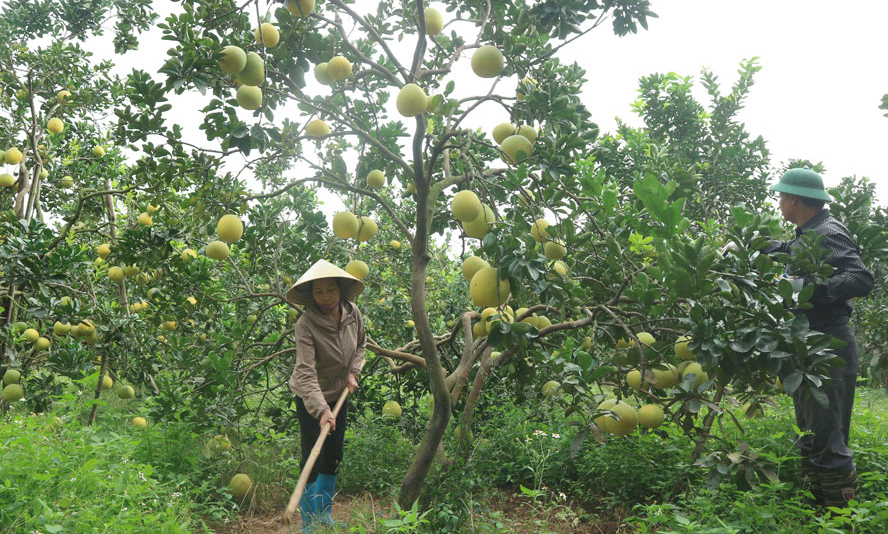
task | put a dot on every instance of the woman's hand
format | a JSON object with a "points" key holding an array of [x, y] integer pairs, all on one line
{"points": [[328, 418], [351, 383]]}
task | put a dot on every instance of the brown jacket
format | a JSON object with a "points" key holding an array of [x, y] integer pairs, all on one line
{"points": [[325, 356]]}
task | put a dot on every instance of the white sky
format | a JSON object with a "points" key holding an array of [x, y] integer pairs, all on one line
{"points": [[816, 97]]}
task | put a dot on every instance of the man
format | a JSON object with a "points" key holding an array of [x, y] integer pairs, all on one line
{"points": [[827, 463]]}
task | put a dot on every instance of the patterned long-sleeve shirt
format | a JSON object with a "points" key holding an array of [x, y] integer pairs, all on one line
{"points": [[831, 300]]}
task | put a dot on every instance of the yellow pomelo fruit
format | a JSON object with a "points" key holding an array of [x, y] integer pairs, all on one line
{"points": [[367, 229], [126, 392], [551, 387], [107, 383], [103, 250], [269, 34], [606, 404], [487, 62], [220, 443], [696, 369], [543, 322], [666, 378], [41, 344], [151, 209], [67, 182], [627, 422], [375, 179], [13, 393], [391, 409], [633, 378], [531, 319], [6, 180], [249, 97], [60, 329], [650, 416], [554, 250], [480, 225], [587, 343], [528, 131], [55, 125], [240, 486], [525, 86], [145, 219], [411, 100], [434, 21], [410, 323], [140, 422], [479, 329], [502, 131], [187, 254], [681, 348], [63, 96], [317, 128], [321, 75], [623, 343], [517, 148], [115, 273], [251, 319], [487, 289], [646, 338], [465, 206], [300, 8], [217, 250], [395, 244], [339, 68], [230, 228], [234, 59], [358, 269], [538, 230], [98, 151], [169, 326], [130, 270], [11, 376], [254, 70], [472, 265], [13, 156], [346, 225]]}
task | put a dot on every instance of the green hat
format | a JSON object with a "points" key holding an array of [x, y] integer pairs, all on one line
{"points": [[802, 182]]}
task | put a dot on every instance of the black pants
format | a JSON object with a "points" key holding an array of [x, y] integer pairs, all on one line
{"points": [[827, 448], [334, 445]]}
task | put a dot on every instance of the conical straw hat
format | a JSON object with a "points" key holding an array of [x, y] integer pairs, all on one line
{"points": [[300, 293]]}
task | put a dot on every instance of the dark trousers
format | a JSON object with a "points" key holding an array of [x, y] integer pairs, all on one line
{"points": [[827, 448], [334, 445]]}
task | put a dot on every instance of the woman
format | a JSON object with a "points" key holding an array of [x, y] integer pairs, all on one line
{"points": [[330, 344]]}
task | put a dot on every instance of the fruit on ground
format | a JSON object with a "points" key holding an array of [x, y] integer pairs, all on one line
{"points": [[13, 393], [666, 378], [230, 228], [31, 335], [395, 244], [11, 376], [480, 225], [63, 96], [145, 219], [140, 422], [550, 388], [628, 418], [367, 229], [6, 180], [98, 151], [487, 62], [472, 265], [681, 348], [107, 383], [103, 250], [300, 8], [466, 206], [696, 369], [217, 250], [502, 131], [375, 179], [633, 378], [538, 230], [55, 125], [391, 409], [240, 485], [67, 182], [254, 71], [517, 148], [115, 273], [321, 74], [233, 60], [528, 131], [317, 128], [42, 343], [249, 97], [13, 156], [650, 416], [339, 68], [487, 289], [434, 21], [269, 35], [554, 250], [358, 269], [187, 254], [411, 100], [126, 392], [346, 225]]}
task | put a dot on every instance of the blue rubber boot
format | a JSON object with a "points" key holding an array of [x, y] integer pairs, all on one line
{"points": [[325, 488], [308, 508]]}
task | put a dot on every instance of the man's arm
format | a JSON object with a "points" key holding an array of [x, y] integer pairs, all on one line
{"points": [[851, 277]]}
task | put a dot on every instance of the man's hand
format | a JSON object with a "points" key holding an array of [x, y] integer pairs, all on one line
{"points": [[352, 384], [328, 418]]}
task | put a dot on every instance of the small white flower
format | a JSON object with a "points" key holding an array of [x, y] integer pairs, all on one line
{"points": [[556, 436]]}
